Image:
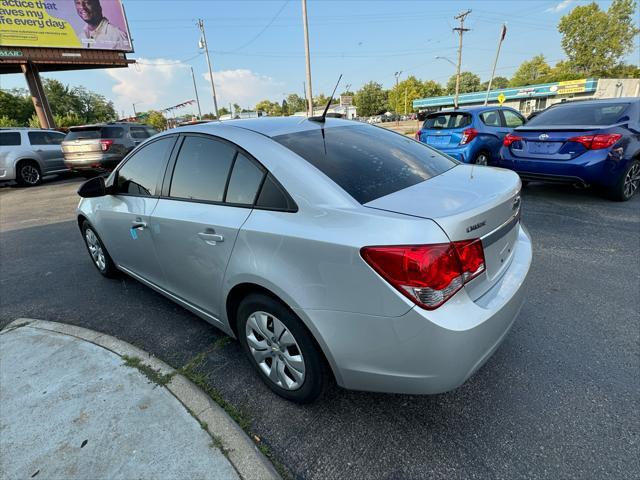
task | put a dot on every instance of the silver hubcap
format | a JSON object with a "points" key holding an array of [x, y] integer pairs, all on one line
{"points": [[95, 249], [482, 160], [632, 180], [275, 350], [30, 174]]}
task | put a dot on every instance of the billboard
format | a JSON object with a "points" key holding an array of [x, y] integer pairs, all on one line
{"points": [[95, 24]]}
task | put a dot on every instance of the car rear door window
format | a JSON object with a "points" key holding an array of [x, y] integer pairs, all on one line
{"points": [[201, 169], [490, 118], [139, 133], [245, 181], [273, 197], [9, 139], [512, 119], [367, 162], [112, 132], [45, 138], [140, 174]]}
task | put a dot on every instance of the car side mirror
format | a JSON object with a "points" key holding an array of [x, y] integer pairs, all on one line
{"points": [[92, 188]]}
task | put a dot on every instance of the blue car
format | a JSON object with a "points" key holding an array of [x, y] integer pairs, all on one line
{"points": [[470, 135], [585, 142]]}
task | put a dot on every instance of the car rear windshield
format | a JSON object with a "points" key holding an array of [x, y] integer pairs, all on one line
{"points": [[444, 121], [367, 162], [91, 133], [580, 114]]}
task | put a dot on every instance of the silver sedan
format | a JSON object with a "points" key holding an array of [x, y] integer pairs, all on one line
{"points": [[334, 251]]}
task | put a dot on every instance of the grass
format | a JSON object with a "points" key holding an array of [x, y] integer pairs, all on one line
{"points": [[222, 342], [154, 375], [191, 370]]}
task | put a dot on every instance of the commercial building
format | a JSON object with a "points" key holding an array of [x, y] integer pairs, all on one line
{"points": [[538, 97]]}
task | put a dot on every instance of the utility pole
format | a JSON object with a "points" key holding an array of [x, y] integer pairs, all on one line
{"points": [[195, 89], [460, 31], [135, 114], [495, 62], [397, 75], [306, 52], [203, 44], [405, 99]]}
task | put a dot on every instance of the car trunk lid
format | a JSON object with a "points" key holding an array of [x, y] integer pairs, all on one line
{"points": [[467, 202], [550, 143]]}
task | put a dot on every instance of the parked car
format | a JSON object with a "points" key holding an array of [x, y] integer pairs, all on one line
{"points": [[99, 148], [589, 142], [27, 154], [320, 244], [470, 135]]}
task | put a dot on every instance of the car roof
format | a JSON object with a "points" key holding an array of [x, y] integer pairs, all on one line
{"points": [[598, 101], [476, 109], [270, 126]]}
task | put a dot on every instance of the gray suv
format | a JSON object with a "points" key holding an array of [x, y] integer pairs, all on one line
{"points": [[99, 148], [27, 154]]}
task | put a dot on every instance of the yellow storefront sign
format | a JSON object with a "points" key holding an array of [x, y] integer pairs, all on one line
{"points": [[572, 86]]}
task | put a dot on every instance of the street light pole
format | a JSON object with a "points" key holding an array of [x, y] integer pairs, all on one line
{"points": [[397, 75], [206, 51], [460, 31], [195, 89], [307, 56]]}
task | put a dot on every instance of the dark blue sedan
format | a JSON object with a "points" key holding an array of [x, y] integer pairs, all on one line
{"points": [[588, 142], [470, 135]]}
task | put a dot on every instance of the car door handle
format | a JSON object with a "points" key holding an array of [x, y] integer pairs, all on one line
{"points": [[210, 237], [138, 224]]}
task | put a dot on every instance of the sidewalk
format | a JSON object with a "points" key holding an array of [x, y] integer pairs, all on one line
{"points": [[78, 404]]}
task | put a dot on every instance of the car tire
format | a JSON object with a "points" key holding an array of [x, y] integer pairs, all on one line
{"points": [[482, 159], [290, 364], [97, 251], [628, 184], [28, 174]]}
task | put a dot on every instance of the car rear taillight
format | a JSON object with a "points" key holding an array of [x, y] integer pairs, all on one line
{"points": [[428, 275], [417, 135], [596, 142], [468, 135], [510, 138], [106, 144]]}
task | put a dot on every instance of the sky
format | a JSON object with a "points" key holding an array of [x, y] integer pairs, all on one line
{"points": [[257, 47]]}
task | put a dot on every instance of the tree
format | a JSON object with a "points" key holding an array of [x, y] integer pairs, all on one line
{"points": [[469, 82], [156, 120], [236, 109], [222, 111], [563, 70], [272, 109], [531, 71], [596, 41], [16, 105], [411, 89], [431, 89], [371, 99], [320, 100], [6, 121], [498, 82], [296, 103]]}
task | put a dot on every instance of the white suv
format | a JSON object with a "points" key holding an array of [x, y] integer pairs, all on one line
{"points": [[27, 154]]}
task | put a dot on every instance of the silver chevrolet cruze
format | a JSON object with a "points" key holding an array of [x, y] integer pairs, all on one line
{"points": [[329, 249]]}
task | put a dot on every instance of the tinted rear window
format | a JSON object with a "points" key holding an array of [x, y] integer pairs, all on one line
{"points": [[92, 133], [444, 121], [9, 139], [367, 162], [581, 114]]}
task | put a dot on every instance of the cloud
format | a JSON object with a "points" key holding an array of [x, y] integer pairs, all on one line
{"points": [[244, 87], [560, 6], [154, 84]]}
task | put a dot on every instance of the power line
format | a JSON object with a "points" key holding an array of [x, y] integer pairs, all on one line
{"points": [[264, 29]]}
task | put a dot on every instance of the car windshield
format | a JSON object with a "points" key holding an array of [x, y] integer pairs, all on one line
{"points": [[445, 121], [367, 162], [580, 114]]}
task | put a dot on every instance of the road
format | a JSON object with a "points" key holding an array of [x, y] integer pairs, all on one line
{"points": [[559, 399]]}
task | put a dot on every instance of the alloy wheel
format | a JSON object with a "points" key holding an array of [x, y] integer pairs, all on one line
{"points": [[30, 174], [482, 159], [95, 249], [632, 180], [275, 350]]}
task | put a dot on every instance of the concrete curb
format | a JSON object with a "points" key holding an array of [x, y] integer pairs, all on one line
{"points": [[243, 454]]}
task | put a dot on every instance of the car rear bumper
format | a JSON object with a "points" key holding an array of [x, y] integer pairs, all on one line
{"points": [[597, 167], [423, 352], [94, 162], [462, 154]]}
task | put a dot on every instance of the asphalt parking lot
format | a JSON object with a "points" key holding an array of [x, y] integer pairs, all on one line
{"points": [[559, 399]]}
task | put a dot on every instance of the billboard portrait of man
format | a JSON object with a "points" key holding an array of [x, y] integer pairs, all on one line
{"points": [[98, 31]]}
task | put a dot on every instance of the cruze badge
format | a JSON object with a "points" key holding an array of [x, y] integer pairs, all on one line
{"points": [[543, 136], [471, 228]]}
